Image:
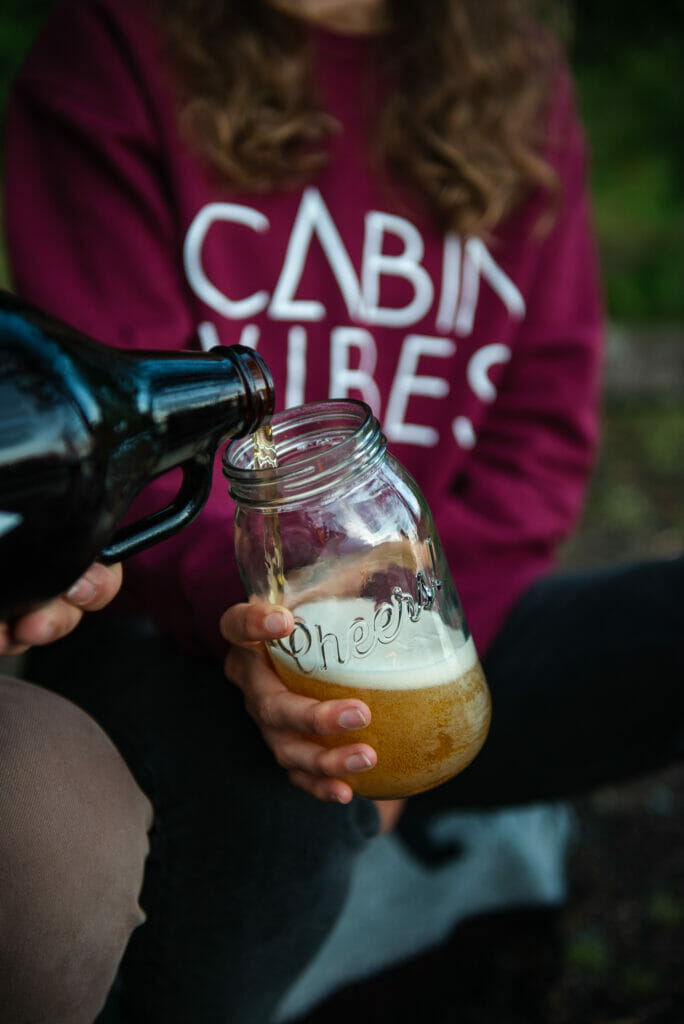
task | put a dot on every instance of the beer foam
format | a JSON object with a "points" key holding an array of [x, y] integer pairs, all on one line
{"points": [[423, 653]]}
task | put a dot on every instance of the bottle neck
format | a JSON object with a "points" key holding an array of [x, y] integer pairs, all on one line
{"points": [[195, 400], [144, 412]]}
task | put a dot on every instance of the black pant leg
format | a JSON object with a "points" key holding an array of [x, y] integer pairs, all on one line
{"points": [[587, 681]]}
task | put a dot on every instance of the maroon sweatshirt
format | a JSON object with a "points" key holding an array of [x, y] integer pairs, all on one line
{"points": [[481, 359]]}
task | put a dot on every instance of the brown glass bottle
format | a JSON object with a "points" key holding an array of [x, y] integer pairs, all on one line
{"points": [[84, 427]]}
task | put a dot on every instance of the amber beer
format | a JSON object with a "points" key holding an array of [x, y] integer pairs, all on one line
{"points": [[426, 691]]}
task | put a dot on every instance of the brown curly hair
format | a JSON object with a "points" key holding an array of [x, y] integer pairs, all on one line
{"points": [[463, 125]]}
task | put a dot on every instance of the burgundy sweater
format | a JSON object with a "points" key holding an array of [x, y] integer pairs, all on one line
{"points": [[481, 360]]}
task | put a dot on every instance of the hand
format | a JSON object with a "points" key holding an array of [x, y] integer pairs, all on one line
{"points": [[287, 720], [96, 588]]}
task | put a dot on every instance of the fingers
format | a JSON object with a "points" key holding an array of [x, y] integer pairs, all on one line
{"points": [[249, 624], [327, 790], [298, 754], [289, 722], [281, 709], [48, 623], [273, 706], [51, 621], [96, 588], [318, 770]]}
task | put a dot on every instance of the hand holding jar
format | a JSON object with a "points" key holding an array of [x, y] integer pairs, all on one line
{"points": [[339, 534], [292, 725]]}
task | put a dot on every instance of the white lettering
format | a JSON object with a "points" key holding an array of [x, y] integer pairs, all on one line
{"points": [[406, 383], [234, 309], [479, 365], [313, 218], [343, 378], [296, 366], [464, 432], [477, 263], [406, 265], [208, 335], [249, 336], [451, 283]]}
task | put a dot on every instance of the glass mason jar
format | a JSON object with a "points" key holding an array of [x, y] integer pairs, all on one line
{"points": [[340, 533]]}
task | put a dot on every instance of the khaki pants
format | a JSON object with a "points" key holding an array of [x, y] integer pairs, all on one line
{"points": [[73, 843]]}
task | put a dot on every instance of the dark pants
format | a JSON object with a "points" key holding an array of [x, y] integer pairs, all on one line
{"points": [[246, 874]]}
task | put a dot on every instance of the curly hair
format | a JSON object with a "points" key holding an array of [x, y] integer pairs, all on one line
{"points": [[463, 126]]}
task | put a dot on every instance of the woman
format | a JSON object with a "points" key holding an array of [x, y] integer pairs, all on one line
{"points": [[390, 204]]}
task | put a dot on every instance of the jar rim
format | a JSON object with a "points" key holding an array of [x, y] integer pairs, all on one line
{"points": [[319, 445]]}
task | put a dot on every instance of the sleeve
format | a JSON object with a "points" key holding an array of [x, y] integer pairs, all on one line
{"points": [[93, 238], [523, 489]]}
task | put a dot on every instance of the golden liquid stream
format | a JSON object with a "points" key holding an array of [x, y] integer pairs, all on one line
{"points": [[265, 457]]}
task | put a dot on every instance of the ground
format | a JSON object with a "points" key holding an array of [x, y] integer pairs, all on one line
{"points": [[614, 954]]}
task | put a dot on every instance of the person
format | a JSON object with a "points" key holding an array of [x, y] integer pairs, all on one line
{"points": [[90, 593], [390, 202]]}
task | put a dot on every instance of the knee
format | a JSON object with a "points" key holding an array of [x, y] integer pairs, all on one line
{"points": [[73, 842]]}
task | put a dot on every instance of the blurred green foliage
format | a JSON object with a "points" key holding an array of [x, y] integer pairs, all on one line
{"points": [[634, 507], [589, 953], [19, 22], [627, 58], [666, 908]]}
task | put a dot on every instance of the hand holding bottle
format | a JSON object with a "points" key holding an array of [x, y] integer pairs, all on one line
{"points": [[91, 592]]}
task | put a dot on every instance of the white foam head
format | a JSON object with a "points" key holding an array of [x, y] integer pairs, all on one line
{"points": [[350, 642]]}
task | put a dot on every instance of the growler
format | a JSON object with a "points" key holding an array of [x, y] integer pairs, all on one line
{"points": [[84, 427]]}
